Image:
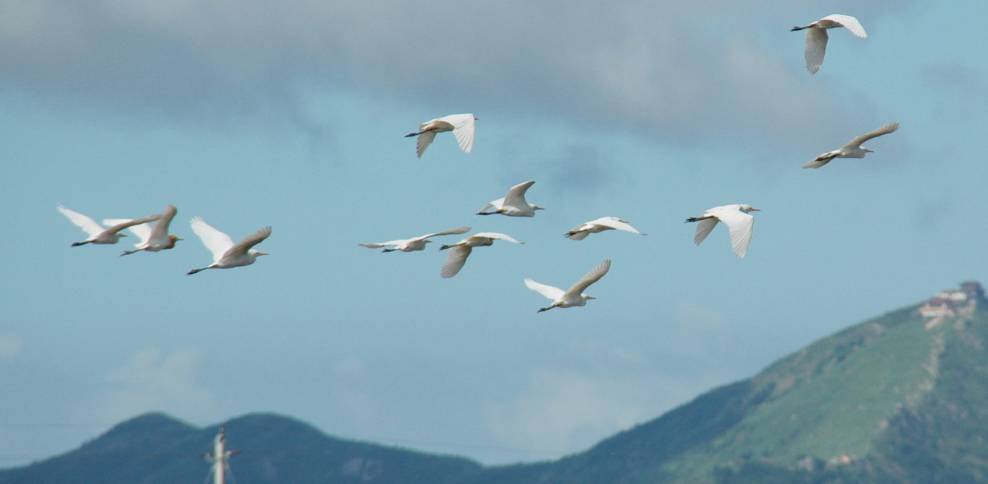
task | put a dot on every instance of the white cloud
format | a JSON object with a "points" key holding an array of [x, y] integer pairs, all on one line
{"points": [[10, 346], [664, 69], [153, 380]]}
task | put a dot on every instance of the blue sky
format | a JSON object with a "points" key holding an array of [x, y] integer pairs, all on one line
{"points": [[293, 117]]}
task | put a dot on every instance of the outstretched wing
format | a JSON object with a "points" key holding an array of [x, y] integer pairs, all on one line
{"points": [[703, 229], [816, 48], [126, 224], [740, 225], [423, 142], [455, 260], [88, 225], [217, 242], [497, 236], [551, 293], [250, 241], [616, 224], [381, 245], [848, 22], [463, 129], [516, 195], [458, 230], [591, 277], [159, 234], [142, 231], [884, 130]]}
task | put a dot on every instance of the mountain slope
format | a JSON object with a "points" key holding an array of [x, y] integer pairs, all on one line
{"points": [[900, 398], [154, 448]]}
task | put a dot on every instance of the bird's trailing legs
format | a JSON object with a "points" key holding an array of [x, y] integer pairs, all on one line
{"points": [[697, 219], [128, 252], [196, 271], [77, 244]]}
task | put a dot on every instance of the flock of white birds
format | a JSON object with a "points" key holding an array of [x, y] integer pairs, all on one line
{"points": [[737, 217]]}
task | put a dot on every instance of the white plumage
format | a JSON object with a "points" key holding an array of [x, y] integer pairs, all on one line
{"points": [[599, 225], [152, 239], [414, 243], [816, 37], [225, 253], [738, 220], [853, 148], [460, 251], [574, 296], [513, 204], [97, 234], [463, 127]]}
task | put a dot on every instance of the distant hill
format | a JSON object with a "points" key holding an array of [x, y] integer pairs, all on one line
{"points": [[900, 398]]}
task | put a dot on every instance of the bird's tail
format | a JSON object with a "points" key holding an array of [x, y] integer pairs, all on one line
{"points": [[77, 244], [196, 271], [413, 134]]}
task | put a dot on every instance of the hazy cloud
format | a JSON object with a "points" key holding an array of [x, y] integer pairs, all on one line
{"points": [[153, 380], [10, 346], [664, 69]]}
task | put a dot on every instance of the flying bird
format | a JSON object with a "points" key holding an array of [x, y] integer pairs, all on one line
{"points": [[738, 220], [459, 251], [462, 126], [599, 225], [152, 239], [225, 254], [853, 148], [574, 296], [816, 37], [413, 244], [96, 232], [513, 204]]}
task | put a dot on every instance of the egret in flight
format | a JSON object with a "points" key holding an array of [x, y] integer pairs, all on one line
{"points": [[152, 239], [96, 232], [462, 126], [739, 222], [574, 296], [599, 225], [413, 244], [225, 253], [459, 251], [816, 37], [513, 204], [853, 148]]}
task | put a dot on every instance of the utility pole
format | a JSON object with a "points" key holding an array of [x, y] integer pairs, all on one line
{"points": [[219, 457]]}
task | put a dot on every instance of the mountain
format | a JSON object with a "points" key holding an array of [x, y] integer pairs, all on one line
{"points": [[899, 398]]}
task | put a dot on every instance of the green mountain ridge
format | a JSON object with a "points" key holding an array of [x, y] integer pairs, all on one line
{"points": [[899, 398]]}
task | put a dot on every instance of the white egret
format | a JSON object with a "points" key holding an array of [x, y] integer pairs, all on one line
{"points": [[599, 225], [96, 232], [152, 239], [461, 250], [462, 126], [574, 296], [738, 220], [513, 204], [225, 253], [816, 37], [413, 244], [853, 148]]}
